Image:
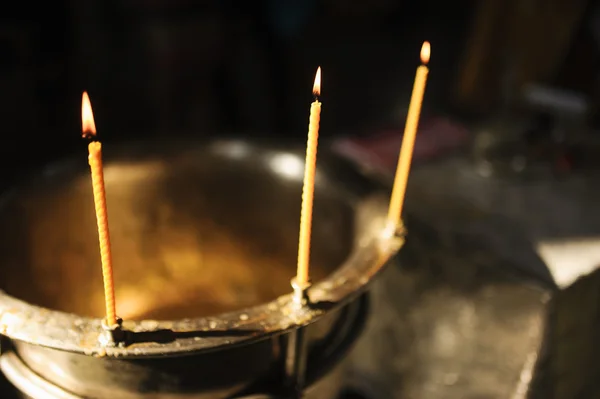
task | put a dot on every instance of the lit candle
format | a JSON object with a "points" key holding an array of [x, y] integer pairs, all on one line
{"points": [[97, 172], [408, 141], [308, 189]]}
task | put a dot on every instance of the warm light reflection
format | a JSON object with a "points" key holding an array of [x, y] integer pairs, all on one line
{"points": [[58, 371], [570, 259], [131, 173], [425, 52], [88, 127], [131, 305], [288, 165], [7, 320], [233, 149], [317, 84]]}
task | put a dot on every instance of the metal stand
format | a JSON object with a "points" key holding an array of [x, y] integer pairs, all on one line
{"points": [[297, 349]]}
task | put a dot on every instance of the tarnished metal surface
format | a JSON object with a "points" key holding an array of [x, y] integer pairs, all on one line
{"points": [[473, 311], [326, 371], [449, 324], [205, 238], [185, 245]]}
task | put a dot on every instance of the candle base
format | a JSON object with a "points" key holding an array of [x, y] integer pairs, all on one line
{"points": [[394, 230], [112, 336], [297, 349], [300, 297]]}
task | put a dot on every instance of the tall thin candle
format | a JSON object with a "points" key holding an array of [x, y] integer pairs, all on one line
{"points": [[302, 275], [97, 172], [408, 141]]}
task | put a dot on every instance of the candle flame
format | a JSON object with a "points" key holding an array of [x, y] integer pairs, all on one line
{"points": [[425, 52], [88, 127], [317, 85]]}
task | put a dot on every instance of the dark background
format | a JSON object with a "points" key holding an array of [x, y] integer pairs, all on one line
{"points": [[205, 67], [208, 67]]}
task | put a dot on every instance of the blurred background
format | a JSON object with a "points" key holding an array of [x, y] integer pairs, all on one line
{"points": [[524, 69], [510, 113], [207, 67]]}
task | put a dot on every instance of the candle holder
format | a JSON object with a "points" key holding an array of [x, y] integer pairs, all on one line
{"points": [[113, 335], [204, 245]]}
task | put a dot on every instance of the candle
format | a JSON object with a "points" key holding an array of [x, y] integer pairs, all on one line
{"points": [[302, 274], [408, 141], [97, 172]]}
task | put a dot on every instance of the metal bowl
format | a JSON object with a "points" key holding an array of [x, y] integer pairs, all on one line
{"points": [[204, 245]]}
